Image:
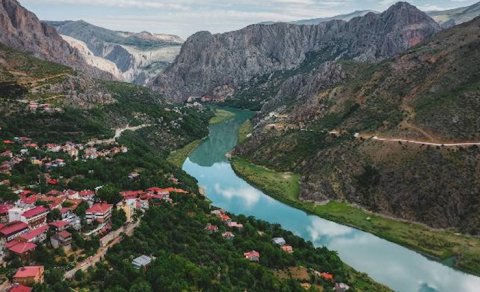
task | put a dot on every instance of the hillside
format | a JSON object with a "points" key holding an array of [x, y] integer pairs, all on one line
{"points": [[220, 65], [430, 93], [138, 56], [452, 17], [23, 31]]}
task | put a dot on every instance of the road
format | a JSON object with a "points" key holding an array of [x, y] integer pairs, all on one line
{"points": [[91, 261], [459, 144], [119, 132]]}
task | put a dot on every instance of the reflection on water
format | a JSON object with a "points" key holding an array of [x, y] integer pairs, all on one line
{"points": [[388, 263]]}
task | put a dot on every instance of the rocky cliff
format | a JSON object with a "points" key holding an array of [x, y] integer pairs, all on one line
{"points": [[138, 56], [430, 93], [21, 30], [207, 61]]}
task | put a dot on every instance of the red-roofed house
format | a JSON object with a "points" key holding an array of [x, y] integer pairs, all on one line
{"points": [[35, 235], [287, 248], [327, 276], [211, 228], [61, 239], [22, 249], [12, 230], [19, 288], [86, 195], [4, 212], [100, 212], [59, 225], [29, 275], [253, 256], [35, 217], [158, 191], [233, 224]]}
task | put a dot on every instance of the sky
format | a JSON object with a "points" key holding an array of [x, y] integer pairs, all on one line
{"points": [[185, 17]]}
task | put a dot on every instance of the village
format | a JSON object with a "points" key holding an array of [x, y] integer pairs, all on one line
{"points": [[57, 218]]}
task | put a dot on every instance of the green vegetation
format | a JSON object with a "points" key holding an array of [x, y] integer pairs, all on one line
{"points": [[439, 244], [245, 129], [221, 116], [188, 258], [177, 157]]}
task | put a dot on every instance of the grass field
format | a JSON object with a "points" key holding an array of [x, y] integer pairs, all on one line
{"points": [[245, 129], [221, 116], [439, 244], [177, 157]]}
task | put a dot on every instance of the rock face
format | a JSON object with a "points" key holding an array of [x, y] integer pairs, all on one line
{"points": [[231, 59], [21, 30], [138, 56], [429, 93]]}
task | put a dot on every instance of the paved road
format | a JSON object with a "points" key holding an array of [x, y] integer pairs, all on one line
{"points": [[91, 261]]}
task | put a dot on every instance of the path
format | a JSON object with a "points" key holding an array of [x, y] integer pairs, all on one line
{"points": [[459, 144], [119, 132], [91, 261]]}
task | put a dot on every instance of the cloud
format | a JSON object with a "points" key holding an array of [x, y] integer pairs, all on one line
{"points": [[249, 195]]}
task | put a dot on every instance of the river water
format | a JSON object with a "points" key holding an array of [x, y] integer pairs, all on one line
{"points": [[395, 266]]}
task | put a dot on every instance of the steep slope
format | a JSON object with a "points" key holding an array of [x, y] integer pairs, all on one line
{"points": [[139, 56], [21, 30], [344, 17], [217, 65], [452, 17], [430, 93]]}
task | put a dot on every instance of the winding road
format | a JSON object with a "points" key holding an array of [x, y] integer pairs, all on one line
{"points": [[459, 144]]}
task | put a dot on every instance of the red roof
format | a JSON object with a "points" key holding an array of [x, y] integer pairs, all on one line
{"points": [[34, 212], [99, 208], [28, 272], [22, 247], [7, 142], [13, 227], [20, 288], [29, 200], [131, 193], [326, 276], [26, 193], [64, 234], [34, 233], [252, 254], [59, 224], [52, 181], [4, 208], [86, 193], [158, 190], [54, 193]]}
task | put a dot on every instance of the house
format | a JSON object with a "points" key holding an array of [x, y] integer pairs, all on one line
{"points": [[21, 249], [253, 256], [4, 212], [287, 248], [133, 175], [341, 287], [233, 224], [61, 239], [100, 212], [36, 235], [53, 148], [228, 235], [141, 262], [35, 217], [87, 195], [211, 228], [326, 276], [158, 191], [29, 275], [58, 226], [279, 241], [7, 154], [12, 230]]}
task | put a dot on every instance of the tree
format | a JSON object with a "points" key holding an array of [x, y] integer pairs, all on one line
{"points": [[109, 194], [54, 215], [6, 195], [141, 286], [118, 218], [81, 209]]}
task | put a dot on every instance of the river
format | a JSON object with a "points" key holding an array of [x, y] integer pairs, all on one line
{"points": [[395, 266]]}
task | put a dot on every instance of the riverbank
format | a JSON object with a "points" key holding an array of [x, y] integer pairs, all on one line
{"points": [[221, 116], [438, 244], [177, 157], [245, 129]]}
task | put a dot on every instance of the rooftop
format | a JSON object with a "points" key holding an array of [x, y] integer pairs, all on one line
{"points": [[28, 271], [142, 261], [34, 212], [13, 227], [34, 233], [99, 208], [22, 247]]}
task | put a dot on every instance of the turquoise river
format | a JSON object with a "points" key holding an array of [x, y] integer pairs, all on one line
{"points": [[395, 266]]}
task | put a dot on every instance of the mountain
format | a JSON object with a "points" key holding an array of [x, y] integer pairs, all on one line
{"points": [[218, 65], [452, 17], [22, 30], [138, 56], [326, 126], [344, 17]]}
